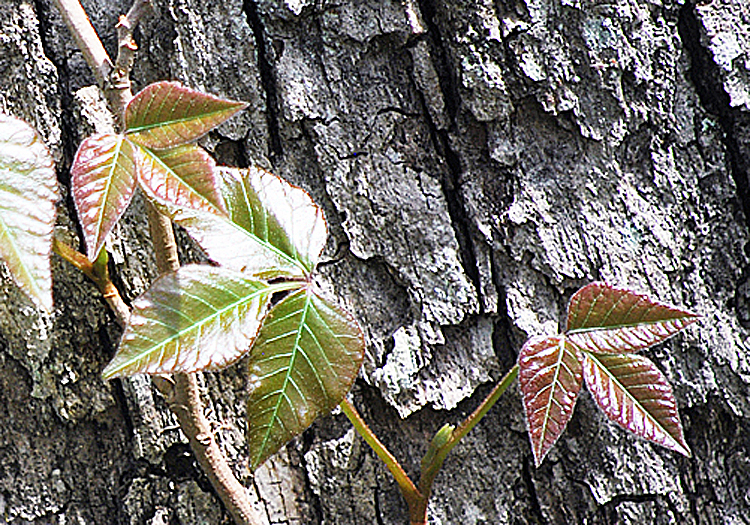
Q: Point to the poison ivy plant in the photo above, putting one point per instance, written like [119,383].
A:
[28,193]
[266,237]
[605,326]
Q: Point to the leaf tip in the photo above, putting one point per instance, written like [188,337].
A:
[111,372]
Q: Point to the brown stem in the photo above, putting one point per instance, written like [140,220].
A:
[184,397]
[120,87]
[98,273]
[86,39]
[162,238]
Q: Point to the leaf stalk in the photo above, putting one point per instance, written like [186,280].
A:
[417,496]
[408,489]
[98,273]
[431,468]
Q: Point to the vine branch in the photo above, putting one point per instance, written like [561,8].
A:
[86,39]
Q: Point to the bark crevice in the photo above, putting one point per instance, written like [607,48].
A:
[528,480]
[704,75]
[451,182]
[267,77]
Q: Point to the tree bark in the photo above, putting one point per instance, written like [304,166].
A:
[478,161]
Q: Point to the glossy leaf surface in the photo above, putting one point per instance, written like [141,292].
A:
[167,114]
[274,229]
[305,360]
[28,193]
[605,319]
[550,376]
[636,395]
[102,181]
[182,176]
[197,318]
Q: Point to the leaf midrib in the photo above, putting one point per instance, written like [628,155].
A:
[167,123]
[635,401]
[622,326]
[270,289]
[281,391]
[555,384]
[167,168]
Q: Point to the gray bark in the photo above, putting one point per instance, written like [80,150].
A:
[478,161]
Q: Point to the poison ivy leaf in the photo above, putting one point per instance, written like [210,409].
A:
[605,319]
[102,182]
[197,318]
[636,395]
[305,359]
[167,114]
[28,192]
[550,376]
[274,229]
[182,176]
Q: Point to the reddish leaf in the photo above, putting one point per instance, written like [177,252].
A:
[167,114]
[102,182]
[182,176]
[605,319]
[551,377]
[28,193]
[636,395]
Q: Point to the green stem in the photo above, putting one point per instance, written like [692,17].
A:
[430,470]
[408,490]
[417,497]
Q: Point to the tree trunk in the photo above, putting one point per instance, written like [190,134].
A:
[478,161]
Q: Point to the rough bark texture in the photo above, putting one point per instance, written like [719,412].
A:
[478,161]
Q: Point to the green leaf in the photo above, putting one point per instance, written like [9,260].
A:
[274,229]
[102,182]
[550,376]
[605,319]
[167,114]
[305,360]
[197,318]
[182,177]
[28,193]
[636,395]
